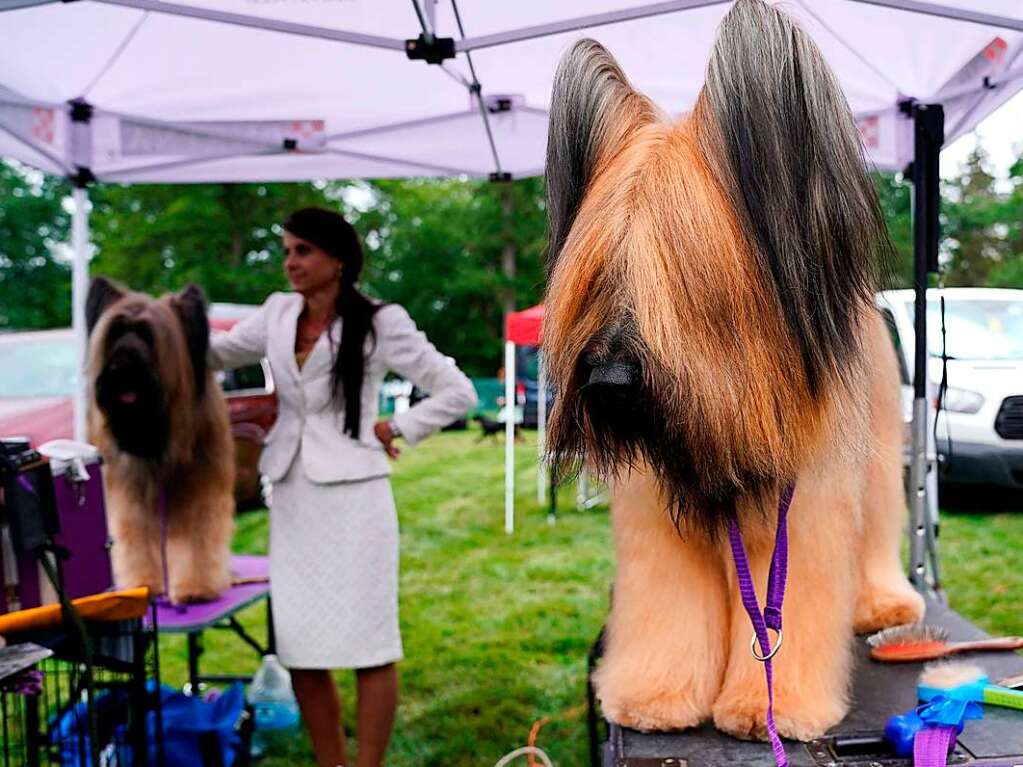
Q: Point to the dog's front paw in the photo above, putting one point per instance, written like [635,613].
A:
[187,591]
[140,579]
[744,715]
[880,607]
[656,713]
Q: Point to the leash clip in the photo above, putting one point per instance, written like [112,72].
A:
[774,650]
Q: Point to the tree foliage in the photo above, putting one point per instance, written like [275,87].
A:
[455,253]
[35,280]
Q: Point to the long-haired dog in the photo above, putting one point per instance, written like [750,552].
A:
[711,335]
[160,422]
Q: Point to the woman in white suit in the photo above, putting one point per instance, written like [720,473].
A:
[333,526]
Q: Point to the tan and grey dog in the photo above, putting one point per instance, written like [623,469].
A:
[711,334]
[160,422]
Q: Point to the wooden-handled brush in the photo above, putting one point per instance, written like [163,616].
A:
[916,642]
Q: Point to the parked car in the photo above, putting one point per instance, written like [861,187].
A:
[37,381]
[979,424]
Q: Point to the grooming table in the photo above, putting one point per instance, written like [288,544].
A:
[879,691]
[221,613]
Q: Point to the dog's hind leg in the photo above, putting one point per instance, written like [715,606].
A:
[885,597]
[666,633]
[812,668]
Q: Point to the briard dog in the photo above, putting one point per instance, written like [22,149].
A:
[712,337]
[160,422]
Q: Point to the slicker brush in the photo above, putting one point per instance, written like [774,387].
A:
[917,642]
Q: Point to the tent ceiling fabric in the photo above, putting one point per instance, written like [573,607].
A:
[236,90]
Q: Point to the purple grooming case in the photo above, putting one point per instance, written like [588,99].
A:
[83,526]
[78,491]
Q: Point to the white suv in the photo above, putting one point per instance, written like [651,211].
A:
[979,429]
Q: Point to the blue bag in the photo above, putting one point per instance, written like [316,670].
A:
[189,724]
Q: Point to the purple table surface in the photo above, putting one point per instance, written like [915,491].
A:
[188,618]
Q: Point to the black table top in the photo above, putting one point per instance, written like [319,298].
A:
[879,691]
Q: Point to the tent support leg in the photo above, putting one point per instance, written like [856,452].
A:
[79,290]
[929,134]
[509,437]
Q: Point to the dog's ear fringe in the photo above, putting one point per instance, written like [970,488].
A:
[593,109]
[190,306]
[776,126]
[103,293]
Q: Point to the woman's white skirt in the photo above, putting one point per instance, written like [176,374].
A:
[334,572]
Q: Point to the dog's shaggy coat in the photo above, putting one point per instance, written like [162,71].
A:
[160,422]
[711,336]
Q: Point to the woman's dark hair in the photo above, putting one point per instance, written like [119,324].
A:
[330,232]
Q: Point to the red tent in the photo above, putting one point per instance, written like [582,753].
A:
[523,328]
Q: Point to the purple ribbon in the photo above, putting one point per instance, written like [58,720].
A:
[26,485]
[26,683]
[770,618]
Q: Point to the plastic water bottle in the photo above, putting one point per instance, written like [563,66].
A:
[273,703]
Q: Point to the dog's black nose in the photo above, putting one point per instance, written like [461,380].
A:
[613,375]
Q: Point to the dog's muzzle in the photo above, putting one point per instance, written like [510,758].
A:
[612,382]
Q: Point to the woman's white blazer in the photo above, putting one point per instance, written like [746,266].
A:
[307,417]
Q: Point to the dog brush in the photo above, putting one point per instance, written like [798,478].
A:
[917,642]
[967,680]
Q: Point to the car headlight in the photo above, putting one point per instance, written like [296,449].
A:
[962,400]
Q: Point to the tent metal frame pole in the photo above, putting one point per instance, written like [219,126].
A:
[928,137]
[13,5]
[11,98]
[476,89]
[509,437]
[55,159]
[984,87]
[189,129]
[944,11]
[267,148]
[403,125]
[79,290]
[581,22]
[445,169]
[125,172]
[257,22]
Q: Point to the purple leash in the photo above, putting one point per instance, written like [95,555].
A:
[162,504]
[931,746]
[770,619]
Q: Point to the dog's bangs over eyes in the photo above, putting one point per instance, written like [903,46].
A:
[122,328]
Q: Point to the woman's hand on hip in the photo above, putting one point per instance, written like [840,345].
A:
[383,431]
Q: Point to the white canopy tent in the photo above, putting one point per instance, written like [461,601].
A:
[271,90]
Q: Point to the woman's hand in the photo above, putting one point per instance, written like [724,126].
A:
[383,431]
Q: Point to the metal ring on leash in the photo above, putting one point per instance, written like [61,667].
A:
[774,650]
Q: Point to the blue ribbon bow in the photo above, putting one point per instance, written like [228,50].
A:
[946,710]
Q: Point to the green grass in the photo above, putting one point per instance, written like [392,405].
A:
[982,567]
[496,628]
